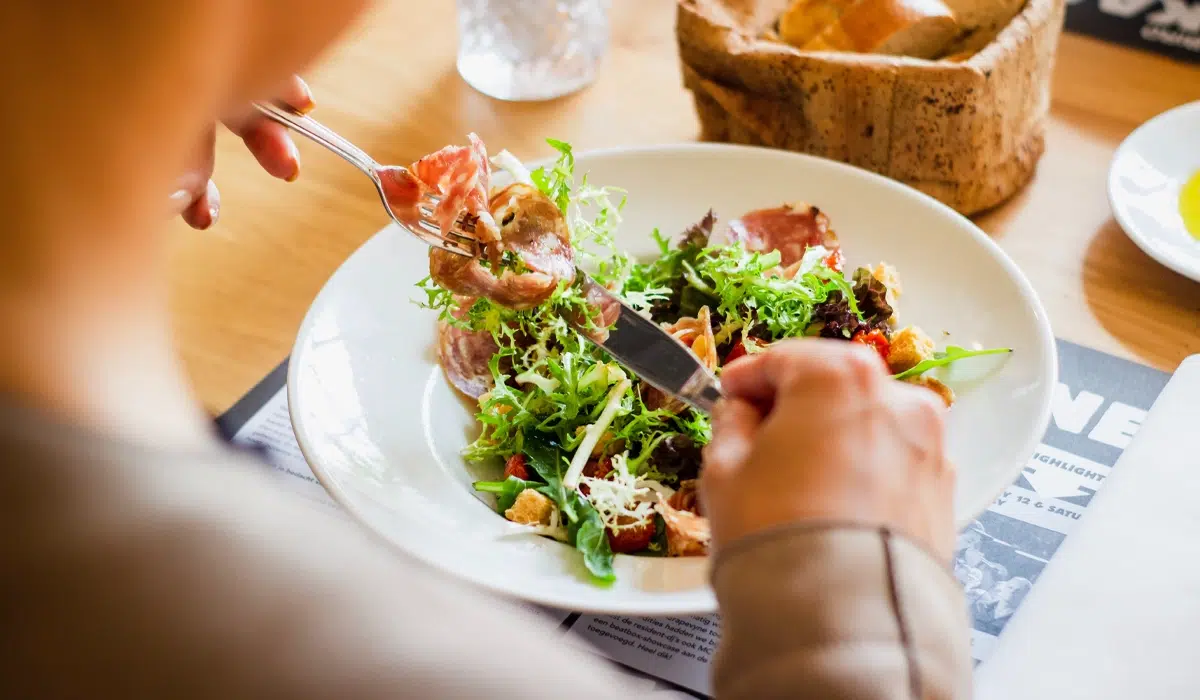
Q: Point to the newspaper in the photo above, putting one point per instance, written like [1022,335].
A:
[1099,404]
[1168,27]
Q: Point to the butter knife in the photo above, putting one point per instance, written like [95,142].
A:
[652,354]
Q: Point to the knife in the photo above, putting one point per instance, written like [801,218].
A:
[651,353]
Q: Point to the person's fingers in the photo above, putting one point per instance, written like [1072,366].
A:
[192,184]
[182,199]
[734,424]
[269,142]
[296,94]
[920,423]
[204,211]
[272,147]
[810,366]
[921,420]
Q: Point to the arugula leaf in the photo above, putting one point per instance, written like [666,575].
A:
[951,354]
[658,545]
[506,491]
[545,457]
[585,528]
[590,538]
[542,453]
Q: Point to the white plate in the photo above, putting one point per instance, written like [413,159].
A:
[1144,180]
[383,429]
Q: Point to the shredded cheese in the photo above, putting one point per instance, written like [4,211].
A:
[621,499]
[594,431]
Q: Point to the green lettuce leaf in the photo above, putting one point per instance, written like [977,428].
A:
[558,182]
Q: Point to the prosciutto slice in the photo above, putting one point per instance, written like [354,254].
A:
[519,220]
[688,534]
[464,356]
[790,229]
[458,174]
[534,231]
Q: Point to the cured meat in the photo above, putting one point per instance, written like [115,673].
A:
[458,174]
[461,175]
[790,229]
[464,356]
[686,498]
[688,534]
[697,334]
[604,307]
[528,253]
[534,231]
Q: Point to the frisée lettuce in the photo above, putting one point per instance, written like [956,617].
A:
[604,455]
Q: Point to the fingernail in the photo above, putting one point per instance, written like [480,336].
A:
[295,154]
[181,198]
[307,103]
[214,203]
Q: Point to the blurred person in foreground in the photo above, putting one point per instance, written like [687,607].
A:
[143,558]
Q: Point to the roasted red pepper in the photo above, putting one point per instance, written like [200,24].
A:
[739,349]
[876,339]
[516,466]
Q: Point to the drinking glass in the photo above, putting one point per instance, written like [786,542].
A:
[526,50]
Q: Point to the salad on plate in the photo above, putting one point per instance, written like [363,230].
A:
[593,457]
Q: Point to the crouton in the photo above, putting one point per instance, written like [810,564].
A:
[530,508]
[909,347]
[936,387]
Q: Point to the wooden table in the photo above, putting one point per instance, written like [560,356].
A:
[241,289]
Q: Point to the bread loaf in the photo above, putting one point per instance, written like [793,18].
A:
[804,19]
[988,15]
[980,22]
[918,28]
[969,134]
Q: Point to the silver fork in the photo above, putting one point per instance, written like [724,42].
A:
[460,239]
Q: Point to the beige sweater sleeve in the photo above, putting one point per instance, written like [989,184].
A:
[132,574]
[837,612]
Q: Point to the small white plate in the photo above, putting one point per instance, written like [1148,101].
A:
[1148,171]
[383,430]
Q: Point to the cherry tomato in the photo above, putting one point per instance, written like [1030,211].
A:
[631,538]
[515,466]
[598,468]
[876,339]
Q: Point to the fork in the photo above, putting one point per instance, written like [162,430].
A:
[461,237]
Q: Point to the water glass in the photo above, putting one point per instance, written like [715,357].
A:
[525,50]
